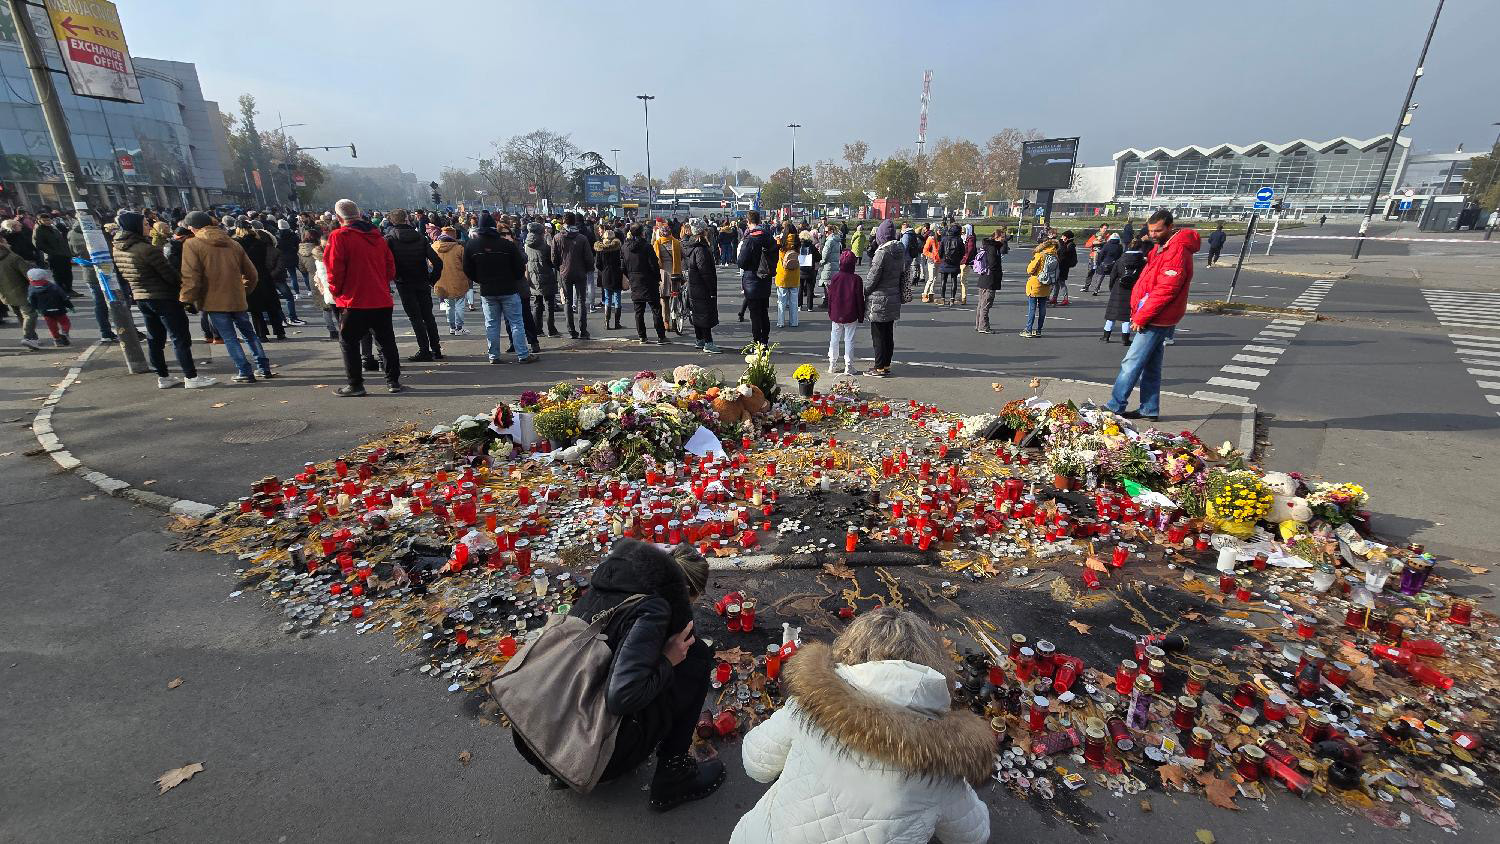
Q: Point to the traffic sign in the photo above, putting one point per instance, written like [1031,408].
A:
[1405,205]
[1264,194]
[1263,205]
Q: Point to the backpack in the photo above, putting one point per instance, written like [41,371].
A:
[980,265]
[789,260]
[952,250]
[1048,275]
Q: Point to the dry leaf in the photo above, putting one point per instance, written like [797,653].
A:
[1479,569]
[838,570]
[1219,792]
[996,386]
[1080,627]
[1192,615]
[724,551]
[1204,836]
[1036,382]
[1095,563]
[463,758]
[174,682]
[217,404]
[733,656]
[177,776]
[1173,775]
[148,482]
[1145,805]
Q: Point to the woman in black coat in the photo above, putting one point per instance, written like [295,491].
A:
[993,250]
[659,675]
[702,287]
[611,273]
[643,275]
[1122,278]
[262,298]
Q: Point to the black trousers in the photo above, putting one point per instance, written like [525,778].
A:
[808,290]
[416,300]
[575,296]
[355,324]
[640,318]
[703,333]
[166,317]
[760,320]
[665,726]
[62,272]
[546,298]
[882,335]
[274,325]
[1213,253]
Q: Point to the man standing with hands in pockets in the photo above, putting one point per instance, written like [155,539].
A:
[1157,304]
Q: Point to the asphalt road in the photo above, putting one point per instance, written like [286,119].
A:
[335,738]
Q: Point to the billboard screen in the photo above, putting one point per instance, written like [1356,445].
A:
[1047,164]
[601,190]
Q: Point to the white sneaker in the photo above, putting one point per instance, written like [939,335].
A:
[849,370]
[832,370]
[32,345]
[166,383]
[199,381]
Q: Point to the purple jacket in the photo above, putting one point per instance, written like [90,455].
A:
[846,292]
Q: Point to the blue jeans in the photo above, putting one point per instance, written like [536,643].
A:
[786,305]
[294,269]
[226,324]
[510,306]
[101,305]
[284,289]
[456,313]
[1142,364]
[611,298]
[1036,311]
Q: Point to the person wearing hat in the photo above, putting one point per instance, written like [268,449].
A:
[49,300]
[216,276]
[156,287]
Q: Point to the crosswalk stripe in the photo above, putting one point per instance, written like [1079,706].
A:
[1272,332]
[1492,338]
[1485,373]
[1253,359]
[1272,339]
[1489,353]
[1205,395]
[1492,399]
[1237,383]
[1245,370]
[1489,385]
[1269,350]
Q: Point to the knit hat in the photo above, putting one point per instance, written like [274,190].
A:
[198,220]
[283,225]
[486,221]
[39,274]
[132,222]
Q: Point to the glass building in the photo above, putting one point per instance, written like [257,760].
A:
[1309,177]
[162,152]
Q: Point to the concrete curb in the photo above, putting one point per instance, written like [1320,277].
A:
[46,437]
[1247,430]
[1337,276]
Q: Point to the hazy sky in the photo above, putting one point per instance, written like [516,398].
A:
[426,84]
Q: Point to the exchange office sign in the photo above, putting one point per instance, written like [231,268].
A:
[92,44]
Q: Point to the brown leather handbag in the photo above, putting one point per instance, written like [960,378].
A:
[552,692]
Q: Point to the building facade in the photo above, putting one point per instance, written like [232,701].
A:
[1309,177]
[161,152]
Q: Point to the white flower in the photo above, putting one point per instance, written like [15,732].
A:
[590,416]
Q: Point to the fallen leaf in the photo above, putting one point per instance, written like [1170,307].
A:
[174,682]
[217,404]
[1204,836]
[177,776]
[1173,775]
[1145,805]
[319,386]
[1435,816]
[838,569]
[1095,563]
[1219,792]
[733,656]
[996,386]
[1036,382]
[1080,627]
[463,758]
[148,482]
[1479,569]
[1192,615]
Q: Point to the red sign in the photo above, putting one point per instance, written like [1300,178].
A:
[299,180]
[531,189]
[127,164]
[98,55]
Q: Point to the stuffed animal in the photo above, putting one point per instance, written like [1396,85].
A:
[1286,505]
[1291,516]
[743,403]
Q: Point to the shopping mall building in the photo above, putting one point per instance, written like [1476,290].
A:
[162,152]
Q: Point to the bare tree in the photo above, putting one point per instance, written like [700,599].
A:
[542,158]
[1002,161]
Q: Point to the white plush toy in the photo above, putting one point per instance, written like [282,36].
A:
[1286,506]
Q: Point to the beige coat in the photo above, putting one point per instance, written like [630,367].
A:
[452,284]
[216,272]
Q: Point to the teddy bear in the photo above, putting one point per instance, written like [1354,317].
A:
[742,403]
[1289,512]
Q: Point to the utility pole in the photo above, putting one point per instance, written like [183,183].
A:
[1244,247]
[1401,120]
[736,169]
[650,188]
[100,258]
[794,127]
[616,151]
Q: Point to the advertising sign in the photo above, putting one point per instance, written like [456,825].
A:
[298,179]
[127,164]
[601,190]
[92,44]
[1047,164]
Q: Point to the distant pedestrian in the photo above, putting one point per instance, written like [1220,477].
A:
[1157,304]
[844,299]
[1122,279]
[858,240]
[951,249]
[788,276]
[360,269]
[987,267]
[758,260]
[13,289]
[494,263]
[642,268]
[931,252]
[828,263]
[217,275]
[417,268]
[886,289]
[49,300]
[1041,276]
[78,245]
[52,248]
[1323,218]
[1067,259]
[288,244]
[610,273]
[702,291]
[573,256]
[1215,244]
[541,276]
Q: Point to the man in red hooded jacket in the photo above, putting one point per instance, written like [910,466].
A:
[360,269]
[1157,303]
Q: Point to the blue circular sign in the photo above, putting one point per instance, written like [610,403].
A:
[1265,194]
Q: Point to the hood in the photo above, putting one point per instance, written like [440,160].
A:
[1187,240]
[213,236]
[360,228]
[635,567]
[1045,246]
[124,238]
[404,233]
[485,220]
[846,261]
[885,232]
[131,221]
[893,711]
[443,247]
[534,238]
[607,241]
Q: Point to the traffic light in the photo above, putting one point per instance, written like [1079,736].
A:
[437,198]
[352,152]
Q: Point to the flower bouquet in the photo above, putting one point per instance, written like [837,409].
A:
[1337,503]
[760,372]
[1236,499]
[806,377]
[1019,418]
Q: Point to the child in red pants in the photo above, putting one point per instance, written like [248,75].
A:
[49,300]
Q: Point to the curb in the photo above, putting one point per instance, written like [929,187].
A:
[1247,431]
[1336,276]
[46,437]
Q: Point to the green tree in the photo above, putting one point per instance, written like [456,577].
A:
[896,179]
[1482,183]
[957,166]
[777,191]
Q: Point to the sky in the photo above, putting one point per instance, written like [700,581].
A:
[425,85]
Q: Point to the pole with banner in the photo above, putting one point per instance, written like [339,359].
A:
[99,258]
[1244,247]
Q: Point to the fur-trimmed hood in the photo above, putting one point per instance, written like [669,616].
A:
[894,711]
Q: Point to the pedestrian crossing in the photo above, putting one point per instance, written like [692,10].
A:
[1480,354]
[1245,371]
[1465,309]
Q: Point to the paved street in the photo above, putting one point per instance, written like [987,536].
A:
[337,738]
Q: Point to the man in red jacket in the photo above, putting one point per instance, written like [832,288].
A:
[360,269]
[1157,304]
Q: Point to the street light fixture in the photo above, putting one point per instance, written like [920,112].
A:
[794,127]
[616,151]
[650,188]
[286,165]
[737,166]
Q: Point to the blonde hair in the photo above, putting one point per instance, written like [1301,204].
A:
[889,633]
[694,568]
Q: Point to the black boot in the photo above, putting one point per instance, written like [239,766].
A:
[1125,338]
[617,315]
[1104,337]
[572,326]
[680,779]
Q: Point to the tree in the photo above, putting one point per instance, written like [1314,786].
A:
[1482,184]
[589,164]
[542,158]
[460,185]
[859,174]
[896,179]
[1002,162]
[746,178]
[503,184]
[956,166]
[777,191]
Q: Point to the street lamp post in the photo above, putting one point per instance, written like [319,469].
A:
[616,151]
[737,168]
[287,163]
[794,127]
[1401,120]
[650,188]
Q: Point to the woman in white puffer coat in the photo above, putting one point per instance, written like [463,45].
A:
[867,748]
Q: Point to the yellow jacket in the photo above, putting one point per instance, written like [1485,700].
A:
[673,246]
[788,277]
[1034,285]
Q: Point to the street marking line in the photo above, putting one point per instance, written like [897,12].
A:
[1237,383]
[1495,353]
[1205,395]
[1269,350]
[1245,370]
[1489,385]
[1491,338]
[1272,340]
[1492,399]
[1485,373]
[1253,359]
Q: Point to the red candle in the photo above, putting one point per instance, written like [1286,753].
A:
[356,611]
[1037,716]
[1119,556]
[507,646]
[1226,583]
[722,672]
[1125,676]
[1460,613]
